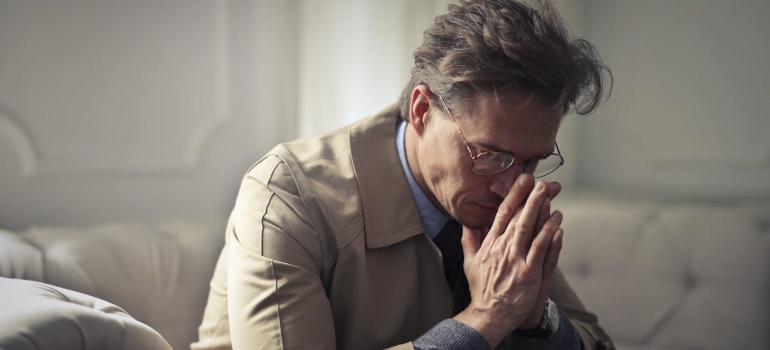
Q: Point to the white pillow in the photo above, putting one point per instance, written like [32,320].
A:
[39,316]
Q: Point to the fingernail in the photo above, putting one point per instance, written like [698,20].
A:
[523,179]
[540,186]
[556,216]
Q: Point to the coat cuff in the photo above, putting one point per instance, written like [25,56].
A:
[450,334]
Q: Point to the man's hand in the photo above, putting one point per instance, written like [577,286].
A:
[536,316]
[506,271]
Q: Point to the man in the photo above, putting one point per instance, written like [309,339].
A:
[351,239]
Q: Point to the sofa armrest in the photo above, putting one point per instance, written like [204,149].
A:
[35,315]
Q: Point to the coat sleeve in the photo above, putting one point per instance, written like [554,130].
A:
[586,323]
[275,256]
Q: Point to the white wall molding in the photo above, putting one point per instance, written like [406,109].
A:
[134,110]
[21,144]
[206,131]
[127,99]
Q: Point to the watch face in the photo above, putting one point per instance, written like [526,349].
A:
[553,315]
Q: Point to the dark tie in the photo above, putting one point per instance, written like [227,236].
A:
[448,242]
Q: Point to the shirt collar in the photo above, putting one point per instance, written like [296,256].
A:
[431,218]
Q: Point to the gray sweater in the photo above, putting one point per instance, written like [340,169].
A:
[453,335]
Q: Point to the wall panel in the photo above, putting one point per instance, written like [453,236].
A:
[138,110]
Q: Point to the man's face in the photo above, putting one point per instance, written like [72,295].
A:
[511,123]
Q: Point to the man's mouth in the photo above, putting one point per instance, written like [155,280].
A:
[492,206]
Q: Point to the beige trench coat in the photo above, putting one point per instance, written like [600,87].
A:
[325,249]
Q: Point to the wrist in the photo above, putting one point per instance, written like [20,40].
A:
[549,323]
[481,323]
[535,318]
[532,322]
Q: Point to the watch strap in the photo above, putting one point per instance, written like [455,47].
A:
[546,328]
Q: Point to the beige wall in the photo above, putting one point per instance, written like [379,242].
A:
[688,114]
[133,110]
[143,110]
[146,110]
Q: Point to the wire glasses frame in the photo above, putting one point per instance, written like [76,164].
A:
[492,162]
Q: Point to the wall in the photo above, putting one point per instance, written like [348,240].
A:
[573,14]
[145,110]
[688,114]
[140,110]
[355,56]
[153,111]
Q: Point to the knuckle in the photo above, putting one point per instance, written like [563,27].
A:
[539,245]
[497,228]
[495,250]
[505,210]
[550,226]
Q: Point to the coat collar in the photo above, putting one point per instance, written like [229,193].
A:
[389,211]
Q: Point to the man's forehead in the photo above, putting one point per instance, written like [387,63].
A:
[523,110]
[514,123]
[510,100]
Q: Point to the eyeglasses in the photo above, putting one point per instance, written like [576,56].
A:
[492,162]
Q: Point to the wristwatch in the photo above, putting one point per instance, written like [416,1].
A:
[548,326]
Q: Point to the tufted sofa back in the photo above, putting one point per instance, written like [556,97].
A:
[659,274]
[158,273]
[671,275]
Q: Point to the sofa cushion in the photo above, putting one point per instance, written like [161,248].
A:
[669,275]
[35,315]
[158,273]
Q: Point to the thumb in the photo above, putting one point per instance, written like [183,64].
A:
[471,242]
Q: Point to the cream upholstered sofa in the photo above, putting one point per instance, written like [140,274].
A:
[660,273]
[157,273]
[671,273]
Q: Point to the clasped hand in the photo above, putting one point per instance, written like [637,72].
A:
[510,265]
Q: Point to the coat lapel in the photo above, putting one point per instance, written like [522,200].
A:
[390,213]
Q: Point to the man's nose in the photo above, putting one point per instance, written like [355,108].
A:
[502,182]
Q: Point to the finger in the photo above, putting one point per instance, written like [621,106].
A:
[552,189]
[524,227]
[545,213]
[471,242]
[552,257]
[542,242]
[555,189]
[511,203]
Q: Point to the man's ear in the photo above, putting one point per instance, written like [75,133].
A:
[419,106]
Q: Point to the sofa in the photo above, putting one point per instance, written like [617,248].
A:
[660,273]
[157,273]
[671,273]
